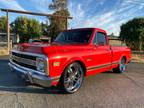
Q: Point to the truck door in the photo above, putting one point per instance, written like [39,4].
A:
[101,53]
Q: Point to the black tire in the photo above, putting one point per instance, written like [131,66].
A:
[72,78]
[121,67]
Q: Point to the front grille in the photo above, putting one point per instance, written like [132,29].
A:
[24,56]
[24,60]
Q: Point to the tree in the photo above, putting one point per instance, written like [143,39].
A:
[132,33]
[58,24]
[45,29]
[34,28]
[26,28]
[58,5]
[3,24]
[112,35]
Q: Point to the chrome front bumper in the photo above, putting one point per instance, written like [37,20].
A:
[31,76]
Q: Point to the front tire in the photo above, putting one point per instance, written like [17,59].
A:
[121,67]
[72,78]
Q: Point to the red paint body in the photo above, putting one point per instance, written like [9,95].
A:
[87,54]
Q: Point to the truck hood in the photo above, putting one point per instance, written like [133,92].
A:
[35,47]
[46,48]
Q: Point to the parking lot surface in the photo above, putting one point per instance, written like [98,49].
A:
[104,90]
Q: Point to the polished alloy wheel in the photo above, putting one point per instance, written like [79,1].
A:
[73,77]
[122,66]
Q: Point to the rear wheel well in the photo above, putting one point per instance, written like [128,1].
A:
[124,58]
[121,67]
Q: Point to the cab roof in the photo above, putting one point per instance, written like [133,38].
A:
[97,29]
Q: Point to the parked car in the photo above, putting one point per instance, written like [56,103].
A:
[74,54]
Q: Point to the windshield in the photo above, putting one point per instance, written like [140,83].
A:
[74,36]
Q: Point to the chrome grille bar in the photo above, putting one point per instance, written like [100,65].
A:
[23,60]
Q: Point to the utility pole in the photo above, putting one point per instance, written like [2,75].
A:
[66,23]
[0,26]
[8,31]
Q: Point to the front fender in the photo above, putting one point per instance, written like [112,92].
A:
[71,60]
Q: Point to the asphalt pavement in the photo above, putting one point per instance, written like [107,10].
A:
[104,90]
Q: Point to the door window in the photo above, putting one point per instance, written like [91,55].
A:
[100,39]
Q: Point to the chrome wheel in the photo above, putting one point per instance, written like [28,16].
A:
[122,66]
[73,78]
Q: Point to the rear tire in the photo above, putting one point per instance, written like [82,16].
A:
[121,67]
[72,78]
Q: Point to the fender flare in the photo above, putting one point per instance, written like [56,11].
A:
[71,60]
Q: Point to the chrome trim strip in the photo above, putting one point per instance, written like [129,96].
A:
[36,55]
[97,67]
[101,66]
[116,62]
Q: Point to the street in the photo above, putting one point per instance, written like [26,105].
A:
[104,90]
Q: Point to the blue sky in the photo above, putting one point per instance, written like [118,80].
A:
[106,14]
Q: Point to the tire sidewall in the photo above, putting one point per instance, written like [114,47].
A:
[122,64]
[62,78]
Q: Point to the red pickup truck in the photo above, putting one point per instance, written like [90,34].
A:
[74,54]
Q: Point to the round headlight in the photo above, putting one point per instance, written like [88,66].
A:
[40,63]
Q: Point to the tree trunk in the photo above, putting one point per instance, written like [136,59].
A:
[140,46]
